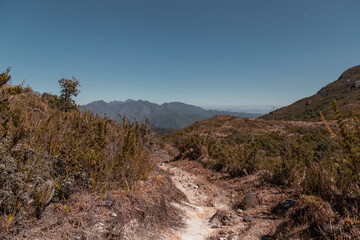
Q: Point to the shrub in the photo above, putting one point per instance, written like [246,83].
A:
[190,147]
[5,77]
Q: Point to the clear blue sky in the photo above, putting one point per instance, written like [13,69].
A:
[202,52]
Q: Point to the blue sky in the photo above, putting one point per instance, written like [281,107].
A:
[203,52]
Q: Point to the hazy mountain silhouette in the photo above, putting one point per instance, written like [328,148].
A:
[173,115]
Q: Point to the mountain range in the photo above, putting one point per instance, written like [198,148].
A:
[174,115]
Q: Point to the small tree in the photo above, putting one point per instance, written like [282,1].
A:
[69,89]
[5,77]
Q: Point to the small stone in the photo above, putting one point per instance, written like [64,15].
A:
[214,226]
[267,237]
[288,203]
[248,219]
[357,84]
[251,200]
[282,207]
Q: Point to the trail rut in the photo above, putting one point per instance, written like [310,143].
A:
[208,213]
[202,204]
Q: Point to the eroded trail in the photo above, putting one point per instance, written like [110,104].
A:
[202,206]
[199,208]
[209,213]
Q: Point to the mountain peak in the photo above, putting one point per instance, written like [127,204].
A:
[350,72]
[100,101]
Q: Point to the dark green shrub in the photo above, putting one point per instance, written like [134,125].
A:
[5,77]
[190,147]
[13,90]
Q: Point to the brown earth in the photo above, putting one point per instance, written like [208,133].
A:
[211,210]
[145,213]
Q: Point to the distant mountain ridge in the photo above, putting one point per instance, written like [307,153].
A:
[345,90]
[174,115]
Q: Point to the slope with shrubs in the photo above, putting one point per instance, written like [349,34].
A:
[318,160]
[48,155]
[345,90]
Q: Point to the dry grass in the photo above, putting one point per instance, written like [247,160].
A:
[47,154]
[316,159]
[143,213]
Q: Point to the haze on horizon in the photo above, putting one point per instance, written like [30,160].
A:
[238,54]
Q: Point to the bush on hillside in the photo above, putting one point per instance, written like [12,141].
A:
[48,154]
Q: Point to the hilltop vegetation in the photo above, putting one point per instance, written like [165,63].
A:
[242,146]
[345,90]
[51,152]
[319,160]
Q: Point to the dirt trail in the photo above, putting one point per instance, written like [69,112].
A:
[202,205]
[196,213]
[208,214]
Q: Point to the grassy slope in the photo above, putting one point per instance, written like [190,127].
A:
[224,126]
[342,90]
[300,155]
[222,141]
[55,168]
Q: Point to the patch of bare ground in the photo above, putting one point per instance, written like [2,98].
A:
[219,207]
[145,213]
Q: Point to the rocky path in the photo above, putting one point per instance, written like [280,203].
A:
[201,208]
[208,213]
[196,211]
